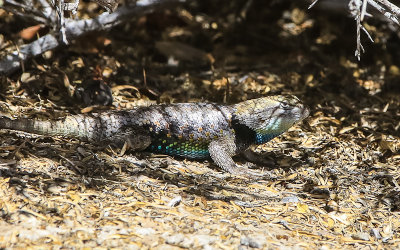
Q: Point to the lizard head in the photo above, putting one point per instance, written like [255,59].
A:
[270,116]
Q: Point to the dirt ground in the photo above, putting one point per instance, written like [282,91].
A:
[337,173]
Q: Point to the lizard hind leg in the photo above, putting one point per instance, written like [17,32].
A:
[138,142]
[221,152]
[131,138]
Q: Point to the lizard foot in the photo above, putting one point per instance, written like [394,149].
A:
[251,174]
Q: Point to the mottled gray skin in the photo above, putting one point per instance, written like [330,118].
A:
[191,130]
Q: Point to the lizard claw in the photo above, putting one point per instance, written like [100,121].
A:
[253,175]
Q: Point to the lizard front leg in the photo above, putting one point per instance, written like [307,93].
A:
[222,151]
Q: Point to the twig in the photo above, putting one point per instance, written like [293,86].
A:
[60,12]
[358,9]
[363,9]
[355,7]
[74,29]
[312,4]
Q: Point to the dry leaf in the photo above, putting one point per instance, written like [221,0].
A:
[30,32]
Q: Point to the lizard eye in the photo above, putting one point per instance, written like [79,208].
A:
[284,105]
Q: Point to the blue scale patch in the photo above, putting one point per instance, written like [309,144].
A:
[263,138]
[174,147]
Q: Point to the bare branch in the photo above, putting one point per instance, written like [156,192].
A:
[312,4]
[367,33]
[393,8]
[363,9]
[358,9]
[48,10]
[76,28]
[60,12]
[25,10]
[109,5]
[387,14]
[36,18]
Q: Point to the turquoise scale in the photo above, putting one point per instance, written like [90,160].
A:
[171,146]
[263,138]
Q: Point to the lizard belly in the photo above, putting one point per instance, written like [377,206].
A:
[192,149]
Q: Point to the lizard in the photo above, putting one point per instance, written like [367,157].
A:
[189,130]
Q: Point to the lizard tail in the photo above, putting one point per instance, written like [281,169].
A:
[77,126]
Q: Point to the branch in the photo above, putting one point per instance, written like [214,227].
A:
[393,8]
[358,9]
[381,9]
[25,10]
[76,28]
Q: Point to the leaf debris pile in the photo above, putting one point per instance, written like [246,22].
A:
[335,177]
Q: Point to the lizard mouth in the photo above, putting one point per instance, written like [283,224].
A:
[302,113]
[305,113]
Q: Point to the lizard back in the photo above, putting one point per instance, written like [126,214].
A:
[184,129]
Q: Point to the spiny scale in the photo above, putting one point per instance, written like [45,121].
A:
[193,149]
